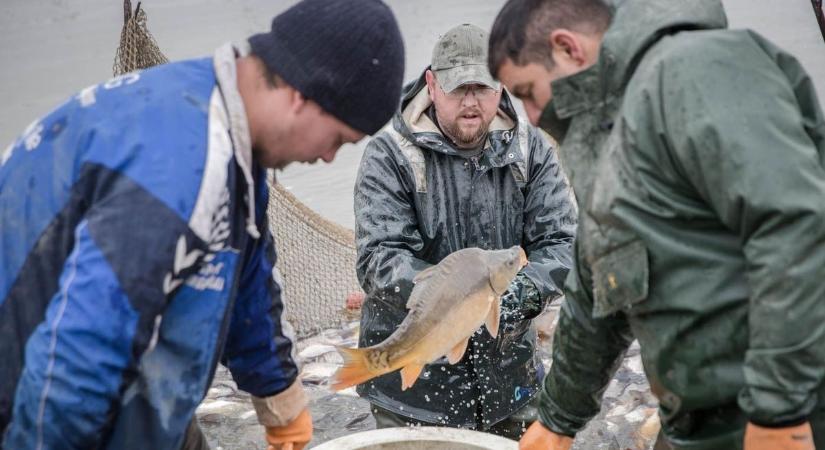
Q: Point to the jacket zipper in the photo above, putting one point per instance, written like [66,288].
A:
[476,169]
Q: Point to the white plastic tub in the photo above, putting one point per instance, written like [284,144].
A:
[419,438]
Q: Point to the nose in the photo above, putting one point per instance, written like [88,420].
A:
[329,156]
[469,99]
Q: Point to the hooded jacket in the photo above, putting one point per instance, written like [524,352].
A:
[417,199]
[697,155]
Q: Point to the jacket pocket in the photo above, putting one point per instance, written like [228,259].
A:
[620,279]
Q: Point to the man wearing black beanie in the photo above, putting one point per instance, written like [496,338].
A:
[346,56]
[134,252]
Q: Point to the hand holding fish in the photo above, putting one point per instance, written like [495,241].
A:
[449,302]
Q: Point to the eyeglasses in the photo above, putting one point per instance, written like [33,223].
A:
[480,92]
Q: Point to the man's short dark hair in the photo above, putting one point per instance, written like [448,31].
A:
[273,80]
[522,28]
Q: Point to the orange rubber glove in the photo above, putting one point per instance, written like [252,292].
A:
[799,437]
[293,436]
[538,437]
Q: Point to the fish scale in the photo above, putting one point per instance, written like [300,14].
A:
[447,305]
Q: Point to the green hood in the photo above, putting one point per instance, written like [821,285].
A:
[637,24]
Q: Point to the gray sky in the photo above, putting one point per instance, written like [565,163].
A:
[53,48]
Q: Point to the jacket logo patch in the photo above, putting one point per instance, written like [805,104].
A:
[122,80]
[210,275]
[33,136]
[31,139]
[183,260]
[87,96]
[220,229]
[520,393]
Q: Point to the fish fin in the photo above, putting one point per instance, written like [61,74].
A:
[493,317]
[458,351]
[424,274]
[354,371]
[421,283]
[447,264]
[409,374]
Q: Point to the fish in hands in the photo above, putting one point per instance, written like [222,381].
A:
[449,302]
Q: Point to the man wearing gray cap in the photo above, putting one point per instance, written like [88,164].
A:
[457,168]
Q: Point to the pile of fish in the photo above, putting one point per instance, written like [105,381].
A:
[627,420]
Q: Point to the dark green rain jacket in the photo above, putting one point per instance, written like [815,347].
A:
[413,208]
[697,156]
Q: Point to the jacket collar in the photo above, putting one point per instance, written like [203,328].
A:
[226,75]
[636,26]
[413,123]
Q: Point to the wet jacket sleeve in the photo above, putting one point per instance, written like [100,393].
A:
[259,347]
[549,228]
[75,362]
[738,137]
[105,313]
[386,225]
[586,354]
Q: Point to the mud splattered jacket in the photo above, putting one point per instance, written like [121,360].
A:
[134,255]
[697,154]
[416,201]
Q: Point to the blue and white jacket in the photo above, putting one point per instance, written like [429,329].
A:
[134,256]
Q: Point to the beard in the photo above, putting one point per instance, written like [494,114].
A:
[466,136]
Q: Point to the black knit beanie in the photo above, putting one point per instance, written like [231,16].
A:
[346,55]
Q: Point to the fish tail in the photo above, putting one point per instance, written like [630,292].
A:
[354,371]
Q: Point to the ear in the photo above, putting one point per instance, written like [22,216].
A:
[567,46]
[431,86]
[297,101]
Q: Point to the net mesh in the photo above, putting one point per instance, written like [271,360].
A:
[137,49]
[316,257]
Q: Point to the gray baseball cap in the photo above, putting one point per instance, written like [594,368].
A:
[460,57]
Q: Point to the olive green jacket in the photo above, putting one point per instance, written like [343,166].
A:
[697,154]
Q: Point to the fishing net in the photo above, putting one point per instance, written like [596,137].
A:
[137,49]
[316,257]
[819,12]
